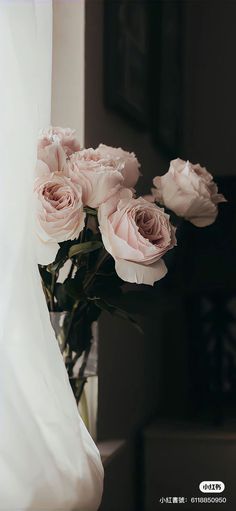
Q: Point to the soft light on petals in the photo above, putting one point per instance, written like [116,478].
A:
[137,234]
[55,145]
[188,190]
[66,137]
[45,251]
[131,165]
[149,197]
[53,155]
[98,176]
[139,273]
[206,212]
[59,212]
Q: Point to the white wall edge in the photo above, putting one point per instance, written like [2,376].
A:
[68,65]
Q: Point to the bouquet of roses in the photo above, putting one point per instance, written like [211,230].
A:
[94,234]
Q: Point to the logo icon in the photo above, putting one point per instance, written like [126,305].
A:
[211,487]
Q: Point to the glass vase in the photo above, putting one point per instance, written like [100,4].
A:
[82,370]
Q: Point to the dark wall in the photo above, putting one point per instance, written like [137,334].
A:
[208,106]
[209,47]
[106,125]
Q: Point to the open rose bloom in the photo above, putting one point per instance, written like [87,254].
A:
[130,166]
[189,191]
[55,145]
[60,214]
[137,234]
[99,176]
[75,185]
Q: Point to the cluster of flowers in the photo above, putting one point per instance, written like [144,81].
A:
[135,230]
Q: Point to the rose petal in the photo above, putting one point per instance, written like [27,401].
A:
[99,177]
[130,169]
[206,212]
[140,274]
[46,251]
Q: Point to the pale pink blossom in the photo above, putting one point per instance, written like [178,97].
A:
[59,213]
[189,191]
[99,176]
[130,169]
[137,234]
[55,145]
[149,197]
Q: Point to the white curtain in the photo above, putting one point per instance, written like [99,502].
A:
[47,459]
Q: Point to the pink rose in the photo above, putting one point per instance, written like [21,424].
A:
[137,234]
[98,176]
[149,197]
[55,146]
[59,213]
[130,170]
[189,191]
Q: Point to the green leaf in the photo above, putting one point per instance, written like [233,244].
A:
[93,236]
[55,267]
[107,287]
[64,300]
[46,276]
[74,288]
[80,272]
[61,257]
[90,211]
[85,248]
